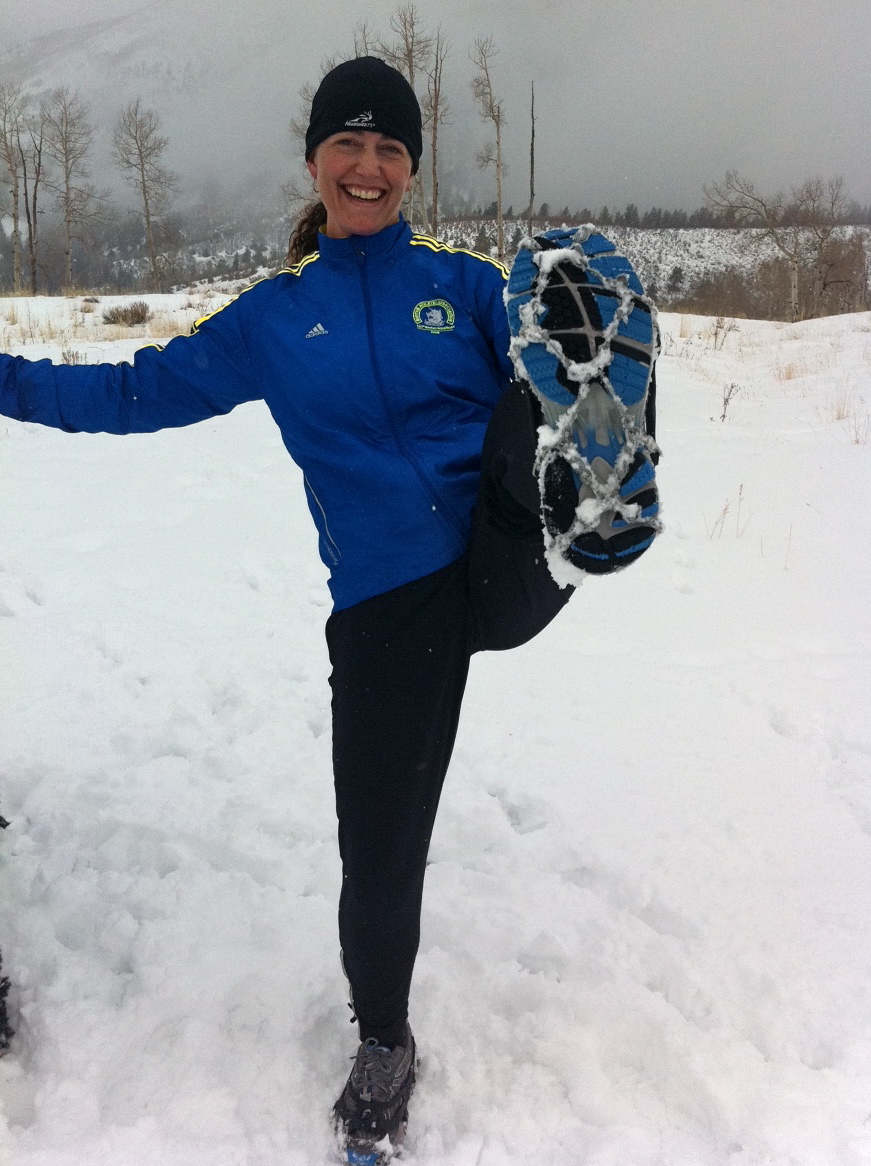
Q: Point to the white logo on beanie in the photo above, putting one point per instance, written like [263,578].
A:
[362,119]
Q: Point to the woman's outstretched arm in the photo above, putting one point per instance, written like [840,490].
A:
[190,379]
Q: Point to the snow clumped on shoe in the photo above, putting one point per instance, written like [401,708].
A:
[584,337]
[371,1115]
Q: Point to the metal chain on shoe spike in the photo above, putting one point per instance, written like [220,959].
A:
[556,442]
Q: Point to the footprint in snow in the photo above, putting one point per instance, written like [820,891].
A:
[525,817]
[622,895]
[15,595]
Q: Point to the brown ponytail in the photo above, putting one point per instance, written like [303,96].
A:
[304,237]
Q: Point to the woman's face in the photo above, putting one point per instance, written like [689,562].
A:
[362,178]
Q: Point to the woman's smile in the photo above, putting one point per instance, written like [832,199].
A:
[362,178]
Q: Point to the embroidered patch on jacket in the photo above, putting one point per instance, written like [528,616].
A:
[434,316]
[318,330]
[362,119]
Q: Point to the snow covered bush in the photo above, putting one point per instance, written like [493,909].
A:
[127,314]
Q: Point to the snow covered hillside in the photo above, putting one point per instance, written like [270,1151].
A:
[645,934]
[697,252]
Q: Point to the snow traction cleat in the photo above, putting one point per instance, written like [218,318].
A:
[371,1115]
[584,338]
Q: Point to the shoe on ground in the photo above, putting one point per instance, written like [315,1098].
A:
[371,1115]
[585,340]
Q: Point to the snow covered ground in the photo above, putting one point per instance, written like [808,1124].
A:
[645,938]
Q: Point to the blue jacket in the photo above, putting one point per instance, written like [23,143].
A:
[381,359]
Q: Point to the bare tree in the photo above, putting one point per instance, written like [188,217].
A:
[820,207]
[802,227]
[490,109]
[31,152]
[68,141]
[410,54]
[12,109]
[436,112]
[138,147]
[531,211]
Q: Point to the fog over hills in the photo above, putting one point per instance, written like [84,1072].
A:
[634,103]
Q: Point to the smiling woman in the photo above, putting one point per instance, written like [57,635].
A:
[362,178]
[410,341]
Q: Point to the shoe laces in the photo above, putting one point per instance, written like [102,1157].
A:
[374,1076]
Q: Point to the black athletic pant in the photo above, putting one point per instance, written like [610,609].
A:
[400,662]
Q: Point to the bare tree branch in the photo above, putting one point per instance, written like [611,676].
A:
[411,51]
[490,110]
[436,112]
[12,109]
[138,147]
[31,151]
[802,227]
[366,40]
[69,136]
[411,55]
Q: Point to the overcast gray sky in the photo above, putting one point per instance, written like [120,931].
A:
[641,100]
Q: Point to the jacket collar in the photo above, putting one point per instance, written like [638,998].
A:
[377,246]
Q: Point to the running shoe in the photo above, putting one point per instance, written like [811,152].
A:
[372,1113]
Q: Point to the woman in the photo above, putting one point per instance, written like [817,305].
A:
[383,357]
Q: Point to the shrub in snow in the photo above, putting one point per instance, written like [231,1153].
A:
[127,314]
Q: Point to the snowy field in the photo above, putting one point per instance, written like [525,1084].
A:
[645,937]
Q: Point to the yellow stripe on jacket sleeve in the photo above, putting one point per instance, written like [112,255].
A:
[295,269]
[418,240]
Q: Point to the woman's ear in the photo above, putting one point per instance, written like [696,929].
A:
[312,169]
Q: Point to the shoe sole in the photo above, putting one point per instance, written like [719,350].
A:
[585,340]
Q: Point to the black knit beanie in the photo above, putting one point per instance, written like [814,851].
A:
[366,94]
